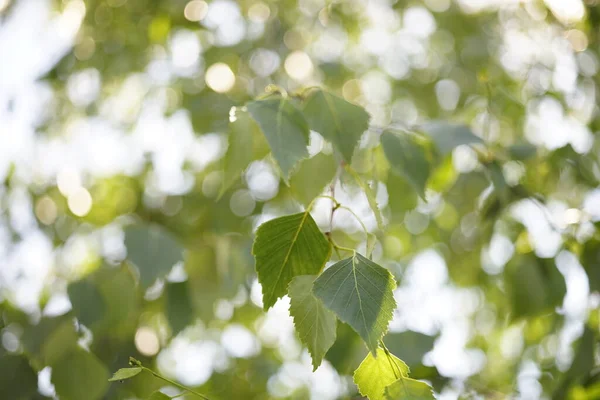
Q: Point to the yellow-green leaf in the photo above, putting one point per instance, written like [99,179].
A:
[408,389]
[374,374]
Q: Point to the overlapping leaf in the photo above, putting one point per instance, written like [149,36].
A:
[375,373]
[315,324]
[340,122]
[360,293]
[312,176]
[286,247]
[286,131]
[448,136]
[408,389]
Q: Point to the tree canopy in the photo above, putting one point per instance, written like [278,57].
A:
[299,199]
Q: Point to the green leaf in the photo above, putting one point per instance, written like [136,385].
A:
[153,250]
[447,136]
[370,193]
[179,308]
[17,379]
[534,286]
[286,131]
[375,373]
[340,122]
[360,292]
[286,247]
[88,303]
[246,143]
[79,375]
[312,176]
[158,395]
[408,389]
[125,373]
[412,346]
[316,325]
[408,157]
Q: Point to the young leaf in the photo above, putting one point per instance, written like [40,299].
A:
[375,373]
[125,373]
[340,122]
[408,389]
[286,131]
[158,395]
[315,324]
[359,292]
[312,176]
[408,157]
[153,250]
[245,144]
[448,136]
[286,247]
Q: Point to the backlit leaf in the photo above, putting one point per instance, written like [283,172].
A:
[153,250]
[158,395]
[407,154]
[340,122]
[316,325]
[359,292]
[286,247]
[375,373]
[408,389]
[286,131]
[125,373]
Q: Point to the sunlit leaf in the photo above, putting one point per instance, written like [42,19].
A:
[315,324]
[79,375]
[312,176]
[408,157]
[125,373]
[286,131]
[377,372]
[340,122]
[359,292]
[408,389]
[448,136]
[153,250]
[286,247]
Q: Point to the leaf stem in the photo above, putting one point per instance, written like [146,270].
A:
[133,361]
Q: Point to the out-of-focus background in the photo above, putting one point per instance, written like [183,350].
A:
[117,111]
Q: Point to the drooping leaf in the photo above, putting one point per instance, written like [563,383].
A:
[79,375]
[408,389]
[88,303]
[315,324]
[411,345]
[158,395]
[286,131]
[374,374]
[246,143]
[17,379]
[286,247]
[448,136]
[359,292]
[340,122]
[408,156]
[312,176]
[179,307]
[121,296]
[153,250]
[371,194]
[125,373]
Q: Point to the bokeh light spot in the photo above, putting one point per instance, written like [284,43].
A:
[80,202]
[220,78]
[195,10]
[298,66]
[146,341]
